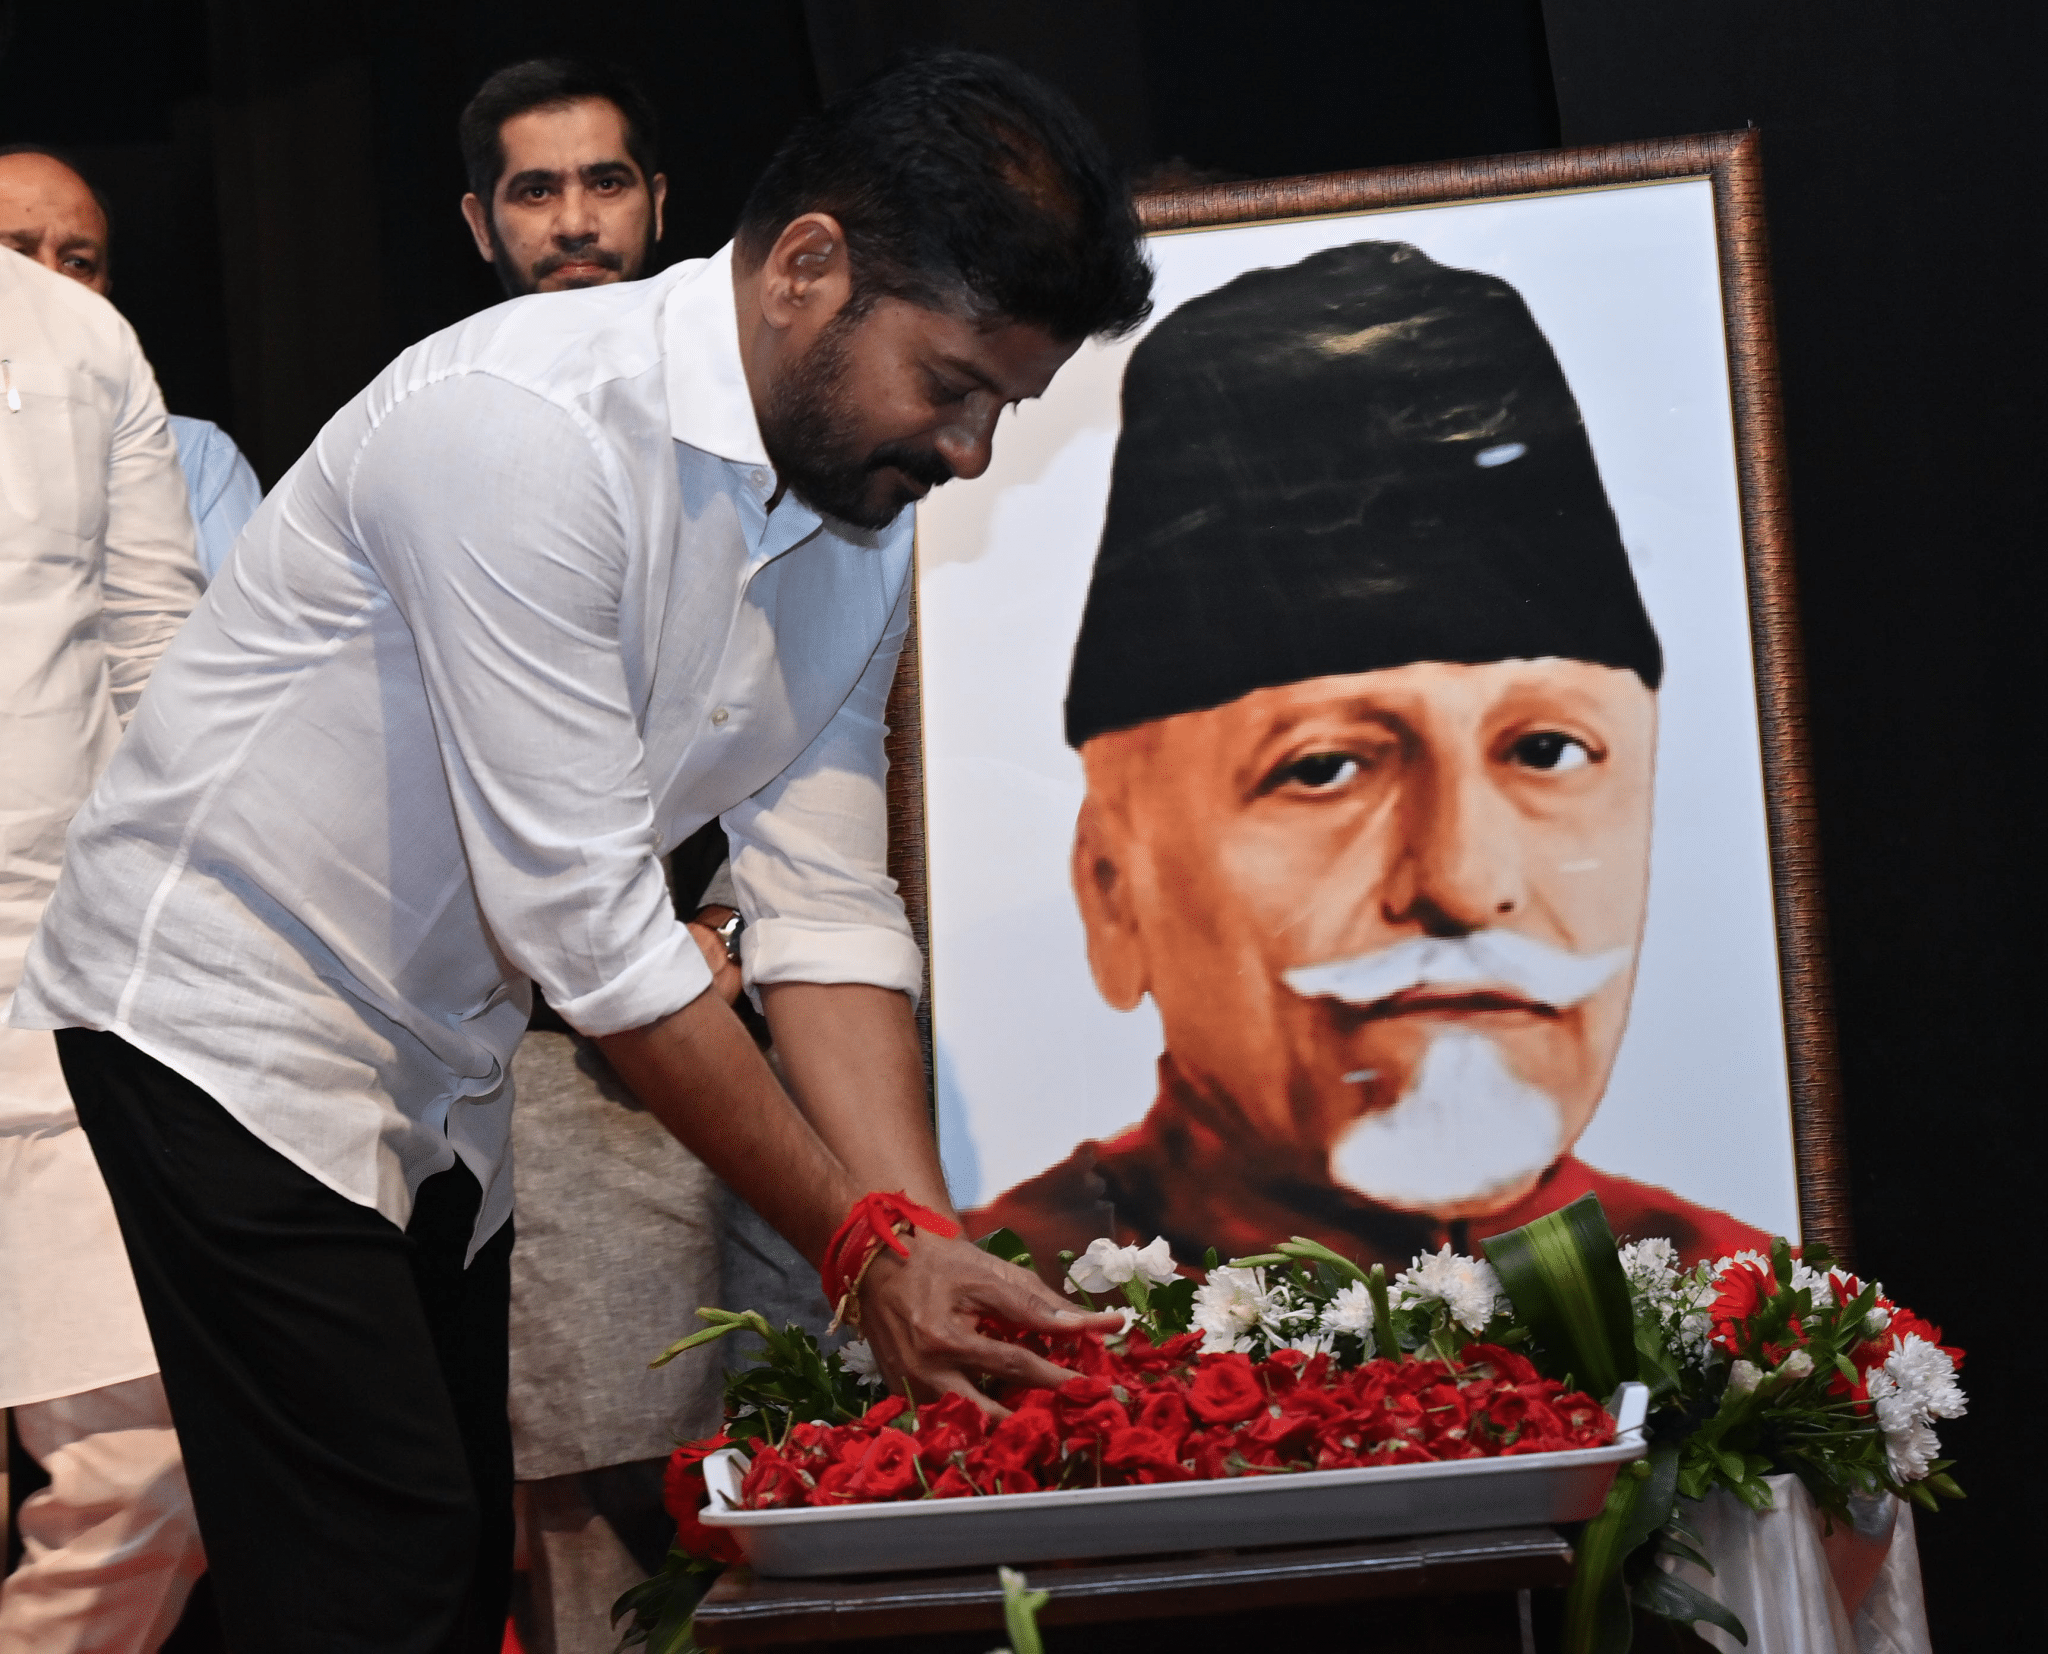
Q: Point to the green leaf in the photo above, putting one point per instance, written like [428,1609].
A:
[1008,1245]
[1173,1305]
[1671,1598]
[1386,1337]
[1300,1246]
[1020,1612]
[1945,1485]
[1596,1619]
[1563,1273]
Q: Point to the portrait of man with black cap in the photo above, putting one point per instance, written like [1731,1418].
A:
[1367,701]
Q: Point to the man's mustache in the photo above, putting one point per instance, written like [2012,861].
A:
[918,464]
[1497,959]
[603,257]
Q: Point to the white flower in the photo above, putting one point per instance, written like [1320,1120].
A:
[1350,1312]
[1926,1377]
[1652,1270]
[1916,1385]
[1106,1265]
[1796,1365]
[1876,1321]
[1809,1279]
[1309,1343]
[1230,1306]
[1154,1264]
[1744,1377]
[1468,1287]
[857,1356]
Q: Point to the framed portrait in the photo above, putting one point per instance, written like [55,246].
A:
[1350,773]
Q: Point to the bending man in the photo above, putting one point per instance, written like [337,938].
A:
[566,581]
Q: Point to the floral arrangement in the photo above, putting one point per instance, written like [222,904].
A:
[1297,1359]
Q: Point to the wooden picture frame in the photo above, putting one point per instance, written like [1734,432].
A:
[1731,161]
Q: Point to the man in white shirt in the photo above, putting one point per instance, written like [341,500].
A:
[50,212]
[566,581]
[96,573]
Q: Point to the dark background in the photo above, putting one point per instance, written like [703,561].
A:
[284,181]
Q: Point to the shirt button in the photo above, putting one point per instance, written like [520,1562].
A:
[760,478]
[719,715]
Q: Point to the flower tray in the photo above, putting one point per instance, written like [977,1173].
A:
[1383,1501]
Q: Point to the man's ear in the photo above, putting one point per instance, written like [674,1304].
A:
[806,278]
[657,186]
[478,217]
[1102,887]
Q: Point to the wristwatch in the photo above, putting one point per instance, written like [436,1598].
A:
[729,934]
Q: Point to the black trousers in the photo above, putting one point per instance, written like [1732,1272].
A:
[338,1385]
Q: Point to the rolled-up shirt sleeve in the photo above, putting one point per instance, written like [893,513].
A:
[499,521]
[810,851]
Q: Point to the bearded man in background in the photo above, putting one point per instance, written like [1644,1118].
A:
[1367,701]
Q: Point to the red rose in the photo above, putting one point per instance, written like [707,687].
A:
[1206,1453]
[772,1482]
[1164,1413]
[953,1484]
[835,1486]
[1509,1366]
[953,1413]
[1223,1390]
[813,1446]
[1142,1456]
[682,1484]
[684,1495]
[1094,1426]
[1027,1440]
[888,1470]
[883,1412]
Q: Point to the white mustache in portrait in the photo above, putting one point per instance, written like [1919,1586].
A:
[1505,960]
[1467,1126]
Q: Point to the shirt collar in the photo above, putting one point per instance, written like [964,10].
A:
[709,405]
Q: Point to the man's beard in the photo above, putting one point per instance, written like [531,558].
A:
[811,433]
[518,282]
[1465,1128]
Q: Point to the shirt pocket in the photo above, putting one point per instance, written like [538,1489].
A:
[53,450]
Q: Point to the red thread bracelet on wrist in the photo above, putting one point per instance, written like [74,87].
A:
[877,1220]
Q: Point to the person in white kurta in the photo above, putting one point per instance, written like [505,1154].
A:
[97,571]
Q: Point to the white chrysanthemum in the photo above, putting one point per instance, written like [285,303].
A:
[1916,1385]
[1926,1376]
[857,1356]
[1230,1306]
[1876,1321]
[1349,1312]
[1652,1270]
[1468,1287]
[1309,1343]
[1808,1279]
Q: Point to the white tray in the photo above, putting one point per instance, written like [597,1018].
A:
[1315,1505]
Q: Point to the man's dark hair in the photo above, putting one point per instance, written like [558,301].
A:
[963,182]
[63,160]
[549,83]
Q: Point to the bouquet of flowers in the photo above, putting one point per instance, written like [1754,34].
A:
[1297,1359]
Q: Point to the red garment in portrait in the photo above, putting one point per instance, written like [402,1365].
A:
[1177,1174]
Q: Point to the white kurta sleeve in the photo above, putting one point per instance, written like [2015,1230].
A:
[499,523]
[810,851]
[150,575]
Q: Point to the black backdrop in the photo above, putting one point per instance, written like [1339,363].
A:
[284,180]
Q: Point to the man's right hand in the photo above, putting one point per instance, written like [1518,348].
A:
[703,929]
[920,1316]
